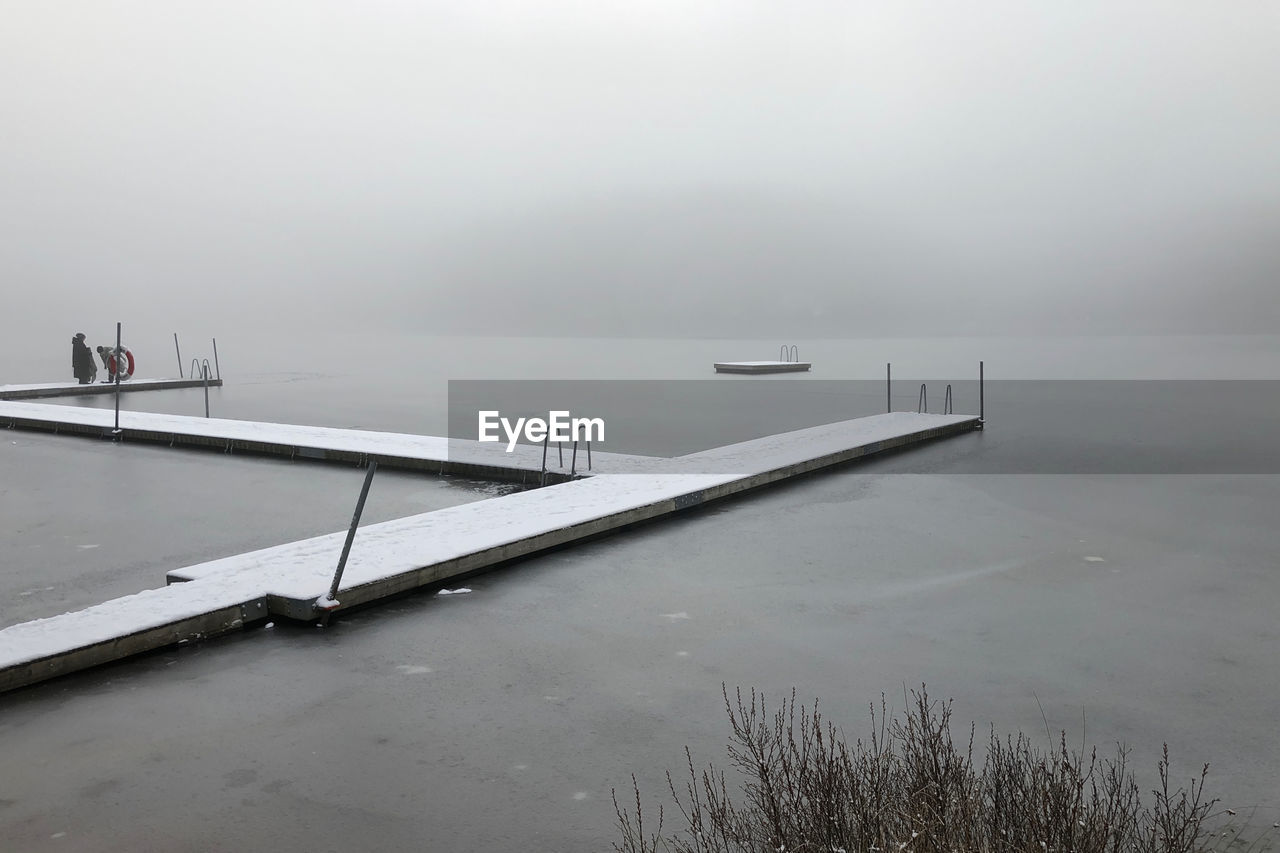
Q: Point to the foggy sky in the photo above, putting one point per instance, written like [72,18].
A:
[691,168]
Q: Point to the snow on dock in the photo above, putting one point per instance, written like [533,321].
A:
[762,366]
[421,550]
[34,651]
[402,450]
[75,389]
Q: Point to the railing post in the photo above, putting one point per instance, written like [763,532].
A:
[543,480]
[116,431]
[982,410]
[588,454]
[888,386]
[351,535]
[204,371]
[215,359]
[573,465]
[178,350]
[923,405]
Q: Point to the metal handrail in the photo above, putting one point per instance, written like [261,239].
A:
[573,458]
[923,405]
[202,368]
[789,353]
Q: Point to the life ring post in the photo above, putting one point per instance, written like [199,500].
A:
[116,369]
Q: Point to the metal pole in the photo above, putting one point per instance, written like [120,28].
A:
[545,439]
[116,431]
[573,465]
[588,454]
[351,534]
[982,416]
[888,387]
[178,350]
[560,450]
[204,371]
[215,359]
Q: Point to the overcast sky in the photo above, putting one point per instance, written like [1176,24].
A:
[661,167]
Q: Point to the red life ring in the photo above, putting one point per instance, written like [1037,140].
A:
[128,363]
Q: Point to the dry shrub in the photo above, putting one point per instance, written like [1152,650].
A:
[910,788]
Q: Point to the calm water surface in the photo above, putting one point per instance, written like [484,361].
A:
[1103,550]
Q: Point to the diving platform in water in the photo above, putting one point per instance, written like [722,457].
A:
[762,366]
[74,389]
[394,557]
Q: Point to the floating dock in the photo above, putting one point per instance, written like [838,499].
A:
[762,366]
[434,454]
[74,389]
[397,556]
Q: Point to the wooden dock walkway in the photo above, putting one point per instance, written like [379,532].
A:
[74,389]
[397,556]
[436,454]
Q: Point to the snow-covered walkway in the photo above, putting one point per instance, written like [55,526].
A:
[315,442]
[75,389]
[396,556]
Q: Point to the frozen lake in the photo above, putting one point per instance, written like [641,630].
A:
[1048,558]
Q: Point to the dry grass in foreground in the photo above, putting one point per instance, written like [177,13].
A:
[911,789]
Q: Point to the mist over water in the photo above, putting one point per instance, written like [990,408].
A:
[369,206]
[742,170]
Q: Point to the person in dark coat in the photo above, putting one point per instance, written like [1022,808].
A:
[82,366]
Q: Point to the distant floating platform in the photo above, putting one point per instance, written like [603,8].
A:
[74,389]
[762,366]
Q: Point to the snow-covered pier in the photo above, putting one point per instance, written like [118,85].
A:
[435,454]
[74,389]
[394,557]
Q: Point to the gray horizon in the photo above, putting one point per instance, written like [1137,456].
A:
[693,170]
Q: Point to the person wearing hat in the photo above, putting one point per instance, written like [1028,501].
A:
[82,366]
[106,353]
